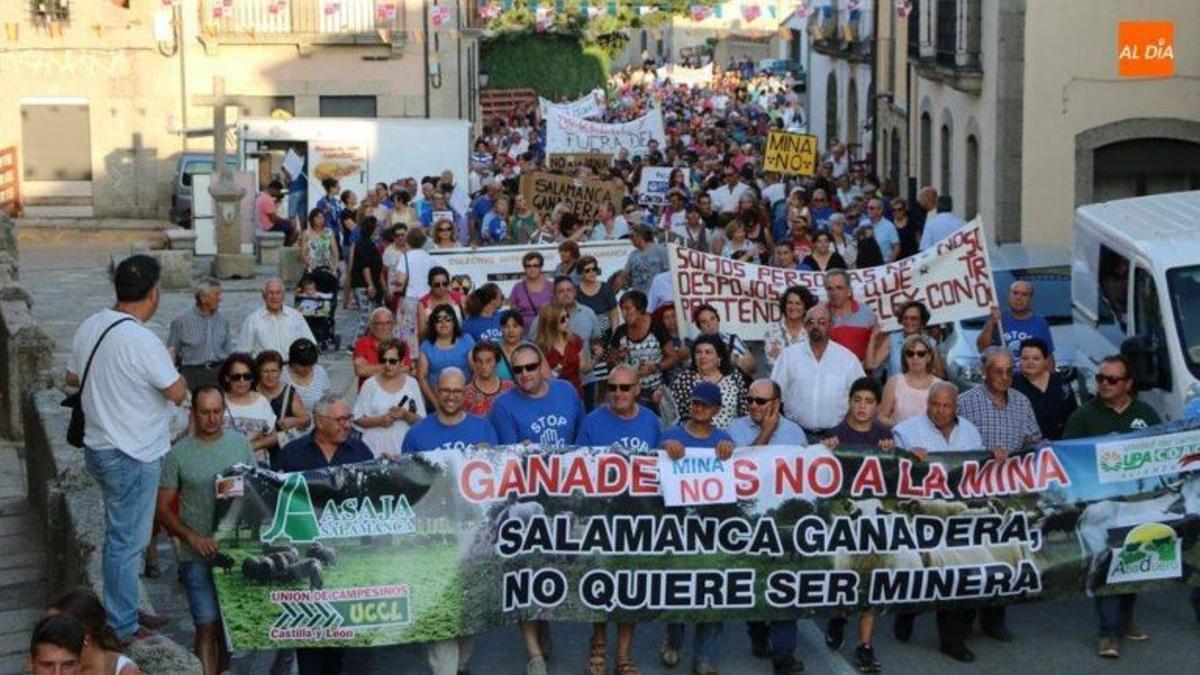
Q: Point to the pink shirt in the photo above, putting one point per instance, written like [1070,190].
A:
[264,210]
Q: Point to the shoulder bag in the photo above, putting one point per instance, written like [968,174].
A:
[75,401]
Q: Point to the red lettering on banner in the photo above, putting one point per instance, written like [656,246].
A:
[475,480]
[512,480]
[745,477]
[869,479]
[643,478]
[612,474]
[1049,469]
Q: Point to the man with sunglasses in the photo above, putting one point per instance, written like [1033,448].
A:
[539,409]
[766,425]
[815,376]
[1115,410]
[726,197]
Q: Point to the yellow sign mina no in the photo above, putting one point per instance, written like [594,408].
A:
[791,153]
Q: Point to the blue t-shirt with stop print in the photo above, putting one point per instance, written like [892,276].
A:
[551,420]
[602,428]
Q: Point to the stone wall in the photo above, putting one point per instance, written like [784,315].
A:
[25,351]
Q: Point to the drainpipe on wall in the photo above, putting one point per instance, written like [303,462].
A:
[425,44]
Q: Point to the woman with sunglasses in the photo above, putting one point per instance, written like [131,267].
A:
[486,385]
[907,392]
[247,411]
[304,373]
[888,347]
[533,291]
[388,403]
[290,416]
[444,346]
[443,235]
[564,350]
[711,363]
[441,294]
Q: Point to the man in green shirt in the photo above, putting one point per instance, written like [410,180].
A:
[1113,411]
[189,472]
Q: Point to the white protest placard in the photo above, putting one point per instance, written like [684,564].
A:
[566,134]
[293,164]
[652,190]
[953,279]
[501,265]
[590,105]
[697,478]
[687,76]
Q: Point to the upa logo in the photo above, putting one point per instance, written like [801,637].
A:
[1150,551]
[298,522]
[1145,48]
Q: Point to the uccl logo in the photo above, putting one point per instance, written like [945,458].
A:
[1145,48]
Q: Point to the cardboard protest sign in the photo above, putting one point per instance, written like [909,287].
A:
[573,134]
[462,539]
[590,104]
[790,153]
[698,478]
[652,190]
[568,162]
[953,279]
[544,191]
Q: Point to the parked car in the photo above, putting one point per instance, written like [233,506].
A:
[782,67]
[191,164]
[1048,269]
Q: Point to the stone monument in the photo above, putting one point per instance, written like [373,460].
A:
[230,262]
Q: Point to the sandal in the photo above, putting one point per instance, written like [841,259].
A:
[626,667]
[596,659]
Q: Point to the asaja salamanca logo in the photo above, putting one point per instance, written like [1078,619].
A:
[298,522]
[1151,551]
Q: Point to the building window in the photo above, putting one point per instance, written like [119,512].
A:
[56,142]
[895,166]
[52,10]
[852,120]
[831,110]
[926,150]
[914,29]
[945,156]
[946,37]
[972,203]
[347,106]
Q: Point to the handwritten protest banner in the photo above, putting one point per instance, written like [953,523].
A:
[652,190]
[460,540]
[953,279]
[684,75]
[790,153]
[501,265]
[697,478]
[598,162]
[544,191]
[590,105]
[573,134]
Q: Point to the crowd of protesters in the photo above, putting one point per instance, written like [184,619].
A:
[599,354]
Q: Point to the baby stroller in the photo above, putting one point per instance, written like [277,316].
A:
[317,302]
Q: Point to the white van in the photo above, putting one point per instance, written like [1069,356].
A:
[1135,288]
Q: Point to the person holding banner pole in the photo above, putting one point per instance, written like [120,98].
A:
[697,432]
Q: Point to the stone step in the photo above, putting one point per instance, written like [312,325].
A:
[14,643]
[14,663]
[17,620]
[29,557]
[15,580]
[17,524]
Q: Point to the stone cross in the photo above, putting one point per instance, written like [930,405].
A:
[226,194]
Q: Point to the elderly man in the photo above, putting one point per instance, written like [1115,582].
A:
[274,326]
[450,427]
[940,429]
[1115,410]
[200,338]
[1019,323]
[815,376]
[942,225]
[854,325]
[329,444]
[127,386]
[380,326]
[886,234]
[624,424]
[188,474]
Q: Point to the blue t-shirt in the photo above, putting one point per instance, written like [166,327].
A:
[430,434]
[886,236]
[552,420]
[820,217]
[480,208]
[458,356]
[483,328]
[1016,330]
[678,433]
[602,428]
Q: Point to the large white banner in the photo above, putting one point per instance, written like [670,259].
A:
[682,75]
[591,105]
[953,279]
[572,134]
[501,265]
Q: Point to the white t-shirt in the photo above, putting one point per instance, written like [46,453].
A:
[122,399]
[250,420]
[416,264]
[373,400]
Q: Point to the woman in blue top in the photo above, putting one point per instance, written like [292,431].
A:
[697,432]
[483,318]
[444,345]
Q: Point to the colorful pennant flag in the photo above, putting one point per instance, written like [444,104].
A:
[439,15]
[544,16]
[646,10]
[489,11]
[751,12]
[700,12]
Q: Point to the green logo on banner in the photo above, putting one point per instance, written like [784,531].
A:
[296,520]
[338,614]
[1151,551]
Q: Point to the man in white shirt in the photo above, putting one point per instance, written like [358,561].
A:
[775,190]
[129,385]
[725,198]
[942,225]
[815,377]
[840,158]
[274,326]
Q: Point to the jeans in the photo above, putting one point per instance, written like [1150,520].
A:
[130,488]
[196,577]
[704,640]
[1115,614]
[781,634]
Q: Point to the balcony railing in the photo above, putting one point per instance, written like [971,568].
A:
[300,17]
[946,36]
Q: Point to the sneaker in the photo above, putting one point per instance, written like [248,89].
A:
[1109,648]
[536,666]
[1136,634]
[668,655]
[864,660]
[835,633]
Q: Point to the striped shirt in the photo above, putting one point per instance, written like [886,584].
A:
[1012,426]
[853,330]
[198,339]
